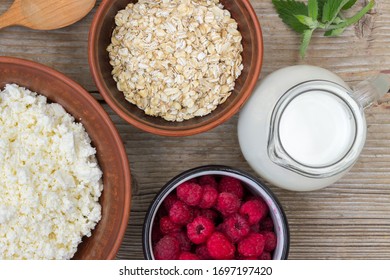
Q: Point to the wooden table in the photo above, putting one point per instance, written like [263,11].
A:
[348,220]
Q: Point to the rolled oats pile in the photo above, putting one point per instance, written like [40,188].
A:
[176,59]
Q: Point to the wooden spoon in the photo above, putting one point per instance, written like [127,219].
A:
[45,14]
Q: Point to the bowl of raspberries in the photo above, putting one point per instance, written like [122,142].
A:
[215,212]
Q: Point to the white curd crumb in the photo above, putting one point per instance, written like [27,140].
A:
[50,181]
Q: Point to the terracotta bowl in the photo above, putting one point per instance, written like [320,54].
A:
[100,37]
[115,200]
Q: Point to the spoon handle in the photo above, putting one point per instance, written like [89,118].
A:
[11,16]
[5,20]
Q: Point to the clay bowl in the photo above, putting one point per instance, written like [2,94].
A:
[100,37]
[115,200]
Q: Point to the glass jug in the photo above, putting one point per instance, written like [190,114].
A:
[303,128]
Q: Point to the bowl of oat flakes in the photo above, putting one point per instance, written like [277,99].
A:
[65,185]
[175,68]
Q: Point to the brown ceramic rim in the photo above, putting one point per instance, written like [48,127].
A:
[57,75]
[184,132]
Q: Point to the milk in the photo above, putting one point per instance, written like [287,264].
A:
[317,128]
[301,129]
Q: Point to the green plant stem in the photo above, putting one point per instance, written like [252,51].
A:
[353,19]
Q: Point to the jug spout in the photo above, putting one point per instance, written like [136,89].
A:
[371,90]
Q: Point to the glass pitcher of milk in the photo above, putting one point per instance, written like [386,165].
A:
[303,128]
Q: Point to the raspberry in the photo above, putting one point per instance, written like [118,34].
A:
[236,227]
[218,224]
[209,197]
[202,252]
[161,213]
[208,180]
[209,213]
[167,248]
[265,256]
[156,233]
[196,212]
[252,245]
[227,203]
[168,226]
[169,201]
[200,229]
[255,228]
[219,247]
[246,258]
[254,210]
[231,185]
[180,213]
[267,224]
[189,193]
[185,243]
[270,240]
[193,180]
[220,228]
[188,256]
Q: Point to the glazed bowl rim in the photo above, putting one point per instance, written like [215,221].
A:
[97,22]
[109,124]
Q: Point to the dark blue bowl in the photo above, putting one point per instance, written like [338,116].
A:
[254,186]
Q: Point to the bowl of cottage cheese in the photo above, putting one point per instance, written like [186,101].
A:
[64,176]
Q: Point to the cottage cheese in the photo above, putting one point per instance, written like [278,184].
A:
[50,181]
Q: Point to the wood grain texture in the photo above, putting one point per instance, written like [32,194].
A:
[45,14]
[348,220]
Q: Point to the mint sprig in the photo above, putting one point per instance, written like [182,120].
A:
[313,9]
[326,15]
[288,9]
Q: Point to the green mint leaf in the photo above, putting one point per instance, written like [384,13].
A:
[352,20]
[313,9]
[349,4]
[338,20]
[308,21]
[331,9]
[287,9]
[306,37]
[321,4]
[335,32]
[317,14]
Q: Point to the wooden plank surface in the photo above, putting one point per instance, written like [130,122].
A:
[348,220]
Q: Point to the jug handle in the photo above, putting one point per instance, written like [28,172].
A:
[371,90]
